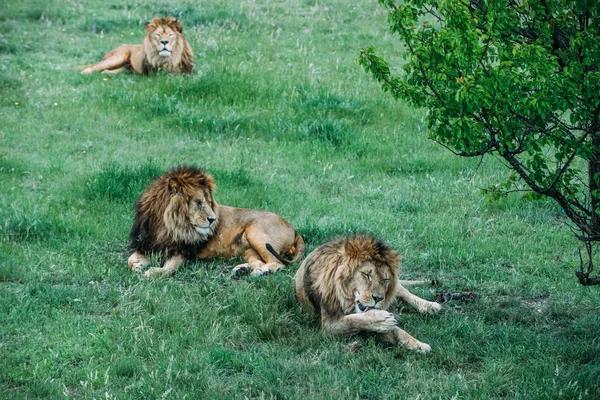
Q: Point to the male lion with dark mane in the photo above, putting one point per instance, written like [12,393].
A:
[164,48]
[352,282]
[178,217]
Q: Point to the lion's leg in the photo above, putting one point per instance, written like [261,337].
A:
[402,338]
[168,269]
[113,60]
[421,305]
[254,264]
[113,71]
[258,240]
[378,321]
[137,261]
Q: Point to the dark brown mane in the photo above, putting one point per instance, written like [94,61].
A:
[153,227]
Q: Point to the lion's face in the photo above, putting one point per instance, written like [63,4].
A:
[190,211]
[200,214]
[163,39]
[371,286]
[163,36]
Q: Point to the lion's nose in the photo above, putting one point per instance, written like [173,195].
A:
[164,42]
[377,299]
[211,220]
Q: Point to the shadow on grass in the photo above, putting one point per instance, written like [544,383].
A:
[21,228]
[121,183]
[333,105]
[197,16]
[314,235]
[101,25]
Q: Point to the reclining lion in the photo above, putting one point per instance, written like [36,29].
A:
[178,217]
[164,48]
[351,282]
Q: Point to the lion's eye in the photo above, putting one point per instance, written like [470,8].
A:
[171,35]
[156,35]
[367,276]
[199,203]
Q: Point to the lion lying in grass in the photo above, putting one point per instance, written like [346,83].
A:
[178,217]
[352,282]
[164,48]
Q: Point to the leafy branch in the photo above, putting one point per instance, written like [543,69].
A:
[518,80]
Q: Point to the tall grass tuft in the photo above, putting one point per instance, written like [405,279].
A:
[123,184]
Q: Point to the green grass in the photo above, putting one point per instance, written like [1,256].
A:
[281,114]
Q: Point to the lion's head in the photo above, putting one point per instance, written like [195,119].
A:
[165,47]
[352,275]
[177,209]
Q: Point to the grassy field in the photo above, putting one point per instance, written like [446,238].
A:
[280,113]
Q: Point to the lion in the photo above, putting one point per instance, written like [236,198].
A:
[164,48]
[178,217]
[351,282]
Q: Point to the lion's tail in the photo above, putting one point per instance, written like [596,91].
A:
[80,67]
[433,282]
[298,254]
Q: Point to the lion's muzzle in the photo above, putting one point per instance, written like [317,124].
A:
[364,306]
[164,51]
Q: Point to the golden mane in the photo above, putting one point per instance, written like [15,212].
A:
[351,282]
[182,56]
[165,47]
[330,278]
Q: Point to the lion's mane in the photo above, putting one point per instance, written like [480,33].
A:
[182,56]
[329,271]
[161,223]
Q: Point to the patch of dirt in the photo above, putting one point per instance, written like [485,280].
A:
[462,296]
[352,348]
[538,303]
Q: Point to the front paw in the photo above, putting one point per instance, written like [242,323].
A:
[419,347]
[434,308]
[381,321]
[154,272]
[423,348]
[261,271]
[429,307]
[137,262]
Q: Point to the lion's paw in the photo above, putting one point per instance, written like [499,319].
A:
[240,270]
[381,321]
[422,348]
[154,272]
[414,345]
[261,271]
[434,308]
[429,307]
[87,71]
[137,262]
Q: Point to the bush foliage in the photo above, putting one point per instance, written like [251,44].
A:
[517,79]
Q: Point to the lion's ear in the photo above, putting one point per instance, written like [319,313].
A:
[174,24]
[351,251]
[208,181]
[178,26]
[150,26]
[174,185]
